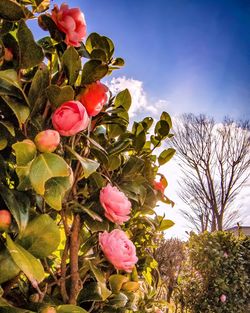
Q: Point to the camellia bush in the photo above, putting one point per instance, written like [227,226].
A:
[78,188]
[215,275]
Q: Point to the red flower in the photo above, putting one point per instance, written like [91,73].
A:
[94,97]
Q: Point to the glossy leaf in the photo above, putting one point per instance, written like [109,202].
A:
[55,190]
[123,99]
[166,155]
[9,127]
[25,151]
[41,236]
[93,70]
[116,281]
[21,111]
[18,203]
[130,286]
[166,117]
[72,64]
[162,128]
[11,10]
[37,95]
[58,95]
[31,267]
[89,166]
[165,224]
[69,308]
[11,270]
[34,54]
[105,292]
[45,167]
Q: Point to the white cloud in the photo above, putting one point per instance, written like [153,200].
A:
[135,87]
[141,104]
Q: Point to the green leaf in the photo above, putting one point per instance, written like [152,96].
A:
[42,5]
[118,301]
[123,99]
[69,308]
[90,292]
[25,151]
[102,44]
[89,166]
[11,270]
[3,142]
[41,236]
[162,128]
[46,23]
[119,146]
[31,54]
[105,292]
[118,62]
[21,111]
[166,117]
[72,64]
[37,95]
[166,155]
[9,126]
[31,267]
[114,162]
[147,123]
[58,95]
[55,190]
[116,281]
[93,70]
[115,130]
[18,203]
[130,286]
[165,224]
[11,10]
[45,167]
[95,225]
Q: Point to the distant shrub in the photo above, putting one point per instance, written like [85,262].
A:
[215,275]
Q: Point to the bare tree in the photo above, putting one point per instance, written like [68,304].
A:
[169,256]
[215,160]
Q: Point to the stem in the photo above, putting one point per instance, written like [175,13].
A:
[76,283]
[64,260]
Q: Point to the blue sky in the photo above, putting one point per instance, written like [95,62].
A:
[195,54]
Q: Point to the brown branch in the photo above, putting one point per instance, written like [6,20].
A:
[76,283]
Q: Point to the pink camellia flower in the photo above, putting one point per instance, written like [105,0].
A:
[223,298]
[47,140]
[94,97]
[118,249]
[158,310]
[70,118]
[225,255]
[71,22]
[116,205]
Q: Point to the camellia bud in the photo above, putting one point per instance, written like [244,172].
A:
[8,55]
[223,298]
[5,220]
[47,140]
